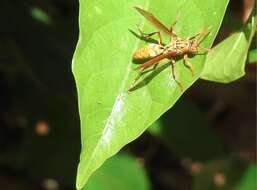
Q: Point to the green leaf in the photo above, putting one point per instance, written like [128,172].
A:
[226,61]
[40,15]
[102,65]
[248,179]
[120,172]
[156,128]
[252,56]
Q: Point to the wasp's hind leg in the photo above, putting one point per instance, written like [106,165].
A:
[147,36]
[134,82]
[174,74]
[155,66]
[188,64]
[141,72]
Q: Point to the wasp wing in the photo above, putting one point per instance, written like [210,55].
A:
[154,61]
[154,21]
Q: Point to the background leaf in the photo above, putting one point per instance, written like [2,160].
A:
[120,172]
[252,56]
[226,61]
[225,175]
[185,129]
[110,116]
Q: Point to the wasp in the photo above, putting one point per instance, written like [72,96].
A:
[177,47]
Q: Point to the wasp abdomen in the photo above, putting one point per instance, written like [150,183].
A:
[147,52]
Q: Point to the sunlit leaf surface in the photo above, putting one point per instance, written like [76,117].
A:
[110,116]
[226,61]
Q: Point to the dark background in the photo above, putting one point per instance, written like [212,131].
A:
[39,121]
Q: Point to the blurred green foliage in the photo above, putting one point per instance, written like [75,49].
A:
[226,174]
[252,56]
[185,129]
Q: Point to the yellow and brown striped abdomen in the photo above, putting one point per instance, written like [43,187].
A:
[147,52]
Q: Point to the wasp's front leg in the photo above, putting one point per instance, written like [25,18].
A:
[205,50]
[188,64]
[135,80]
[174,74]
[147,36]
[172,27]
[201,35]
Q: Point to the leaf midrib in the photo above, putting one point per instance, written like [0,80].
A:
[121,89]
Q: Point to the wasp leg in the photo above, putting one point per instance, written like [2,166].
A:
[141,72]
[205,50]
[188,64]
[172,27]
[147,36]
[174,74]
[154,67]
[175,22]
[135,80]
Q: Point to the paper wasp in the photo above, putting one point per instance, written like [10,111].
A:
[155,52]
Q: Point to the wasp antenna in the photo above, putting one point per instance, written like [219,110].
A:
[204,33]
[209,27]
[178,14]
[207,30]
[139,9]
